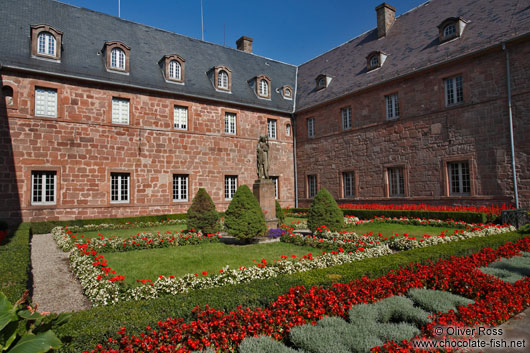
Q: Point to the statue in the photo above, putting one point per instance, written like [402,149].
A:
[263,158]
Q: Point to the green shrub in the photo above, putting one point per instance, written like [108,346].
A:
[263,344]
[436,301]
[15,262]
[202,213]
[90,327]
[244,218]
[46,227]
[279,213]
[325,211]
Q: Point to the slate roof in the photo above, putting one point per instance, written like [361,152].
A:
[85,32]
[411,44]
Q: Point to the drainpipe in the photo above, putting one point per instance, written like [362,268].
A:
[511,123]
[293,124]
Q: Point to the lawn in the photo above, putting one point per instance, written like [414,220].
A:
[125,233]
[209,257]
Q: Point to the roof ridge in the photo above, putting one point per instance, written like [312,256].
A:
[362,34]
[170,32]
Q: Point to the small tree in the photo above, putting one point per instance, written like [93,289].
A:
[279,213]
[202,214]
[325,211]
[244,218]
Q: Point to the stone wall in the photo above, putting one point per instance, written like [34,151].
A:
[84,147]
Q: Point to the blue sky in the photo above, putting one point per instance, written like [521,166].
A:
[286,30]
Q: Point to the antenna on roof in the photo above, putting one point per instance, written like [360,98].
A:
[119,9]
[202,24]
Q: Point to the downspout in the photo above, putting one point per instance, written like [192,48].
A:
[293,124]
[508,82]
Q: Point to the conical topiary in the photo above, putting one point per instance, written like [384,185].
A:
[244,218]
[279,213]
[325,211]
[202,214]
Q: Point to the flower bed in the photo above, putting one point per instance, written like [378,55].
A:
[104,287]
[67,241]
[491,210]
[126,225]
[495,302]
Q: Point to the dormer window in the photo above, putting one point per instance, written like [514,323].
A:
[287,92]
[173,68]
[223,78]
[451,28]
[322,81]
[117,56]
[263,86]
[46,42]
[375,60]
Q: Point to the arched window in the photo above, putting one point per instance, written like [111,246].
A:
[449,30]
[263,88]
[46,44]
[117,59]
[222,79]
[288,130]
[175,70]
[288,93]
[7,93]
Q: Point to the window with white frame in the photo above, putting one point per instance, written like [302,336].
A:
[348,184]
[311,127]
[43,187]
[374,61]
[288,130]
[46,44]
[454,92]
[263,88]
[311,186]
[120,111]
[275,180]
[180,118]
[180,187]
[459,178]
[271,128]
[230,186]
[46,102]
[117,59]
[346,118]
[230,123]
[222,79]
[396,182]
[175,70]
[119,187]
[392,106]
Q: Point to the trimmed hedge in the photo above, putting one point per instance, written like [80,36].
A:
[324,211]
[88,328]
[202,214]
[46,227]
[15,262]
[468,217]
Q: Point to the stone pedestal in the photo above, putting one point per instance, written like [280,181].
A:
[264,191]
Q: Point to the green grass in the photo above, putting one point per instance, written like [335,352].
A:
[125,233]
[209,257]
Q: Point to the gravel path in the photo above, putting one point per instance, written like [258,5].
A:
[55,288]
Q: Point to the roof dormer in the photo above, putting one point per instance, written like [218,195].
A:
[451,28]
[322,81]
[117,56]
[375,60]
[46,42]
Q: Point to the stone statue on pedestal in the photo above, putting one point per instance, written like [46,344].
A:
[263,157]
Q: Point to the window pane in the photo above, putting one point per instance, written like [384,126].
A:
[348,182]
[43,186]
[230,123]
[459,178]
[396,182]
[120,111]
[312,185]
[271,128]
[180,118]
[45,102]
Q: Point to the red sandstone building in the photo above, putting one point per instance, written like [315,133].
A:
[103,117]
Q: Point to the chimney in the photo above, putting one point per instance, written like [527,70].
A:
[385,18]
[244,44]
